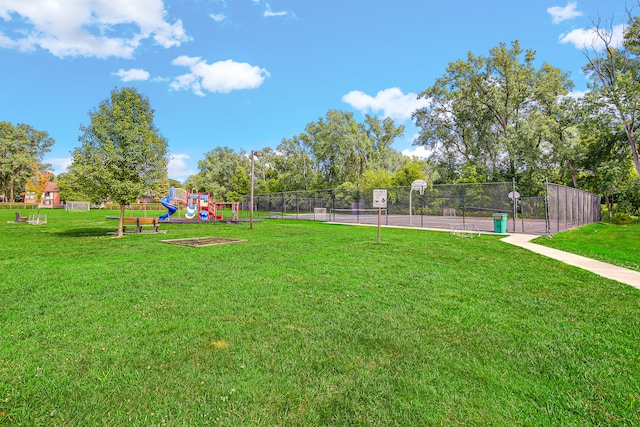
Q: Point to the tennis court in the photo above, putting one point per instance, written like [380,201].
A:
[370,216]
[441,206]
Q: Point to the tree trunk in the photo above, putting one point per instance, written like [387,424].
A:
[574,175]
[634,150]
[121,221]
[609,202]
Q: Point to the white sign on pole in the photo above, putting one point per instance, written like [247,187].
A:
[380,199]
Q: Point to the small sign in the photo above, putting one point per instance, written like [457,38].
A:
[380,199]
[514,195]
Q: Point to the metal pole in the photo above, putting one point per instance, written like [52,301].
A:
[410,193]
[515,203]
[253,153]
[463,209]
[422,210]
[546,207]
[251,195]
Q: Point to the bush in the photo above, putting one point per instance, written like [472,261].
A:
[629,198]
[621,218]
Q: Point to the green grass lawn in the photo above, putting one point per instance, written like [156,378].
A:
[305,324]
[615,244]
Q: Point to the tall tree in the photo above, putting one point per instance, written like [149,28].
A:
[342,149]
[614,72]
[491,112]
[37,183]
[21,146]
[218,173]
[292,166]
[123,154]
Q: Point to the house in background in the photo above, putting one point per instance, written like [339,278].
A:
[50,196]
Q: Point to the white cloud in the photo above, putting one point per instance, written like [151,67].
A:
[560,14]
[218,18]
[87,28]
[577,94]
[419,151]
[588,38]
[391,102]
[268,13]
[178,168]
[59,165]
[134,74]
[219,77]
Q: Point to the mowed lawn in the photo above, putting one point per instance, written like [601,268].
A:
[305,324]
[615,244]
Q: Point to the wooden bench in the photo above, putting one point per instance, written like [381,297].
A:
[20,218]
[141,222]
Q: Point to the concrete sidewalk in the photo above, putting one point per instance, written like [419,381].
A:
[613,272]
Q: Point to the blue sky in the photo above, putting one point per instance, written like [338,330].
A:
[248,73]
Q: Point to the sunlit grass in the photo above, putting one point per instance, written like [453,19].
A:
[615,244]
[305,324]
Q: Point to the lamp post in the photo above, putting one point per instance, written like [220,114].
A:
[253,154]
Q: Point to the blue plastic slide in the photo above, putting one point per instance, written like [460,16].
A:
[166,203]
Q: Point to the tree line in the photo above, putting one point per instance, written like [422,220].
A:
[488,118]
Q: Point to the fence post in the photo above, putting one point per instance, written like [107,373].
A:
[386,211]
[546,206]
[515,202]
[464,208]
[333,204]
[357,204]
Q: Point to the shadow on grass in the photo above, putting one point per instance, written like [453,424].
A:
[85,232]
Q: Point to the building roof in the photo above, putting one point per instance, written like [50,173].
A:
[51,186]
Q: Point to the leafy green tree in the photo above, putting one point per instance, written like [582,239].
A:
[338,147]
[376,179]
[342,149]
[221,171]
[72,189]
[613,177]
[383,134]
[21,146]
[174,183]
[411,171]
[614,74]
[292,166]
[123,156]
[493,112]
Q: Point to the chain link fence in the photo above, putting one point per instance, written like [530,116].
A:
[570,208]
[444,206]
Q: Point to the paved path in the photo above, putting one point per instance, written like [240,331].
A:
[613,272]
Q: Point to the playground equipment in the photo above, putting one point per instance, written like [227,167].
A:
[192,206]
[176,195]
[204,206]
[216,210]
[198,205]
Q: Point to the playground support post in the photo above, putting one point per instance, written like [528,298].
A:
[253,154]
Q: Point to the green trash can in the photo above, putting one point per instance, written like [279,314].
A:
[499,222]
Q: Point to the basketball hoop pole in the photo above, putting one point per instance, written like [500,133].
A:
[420,185]
[410,206]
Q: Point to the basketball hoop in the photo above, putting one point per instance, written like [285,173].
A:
[419,185]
